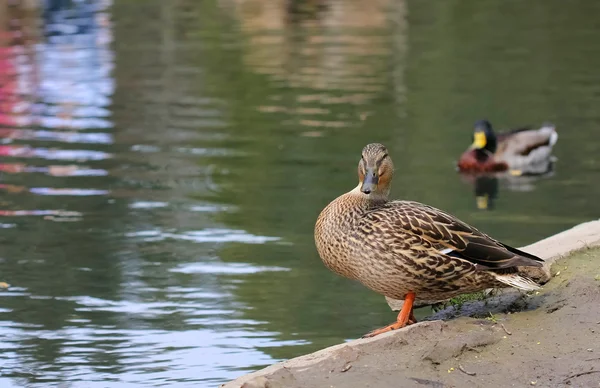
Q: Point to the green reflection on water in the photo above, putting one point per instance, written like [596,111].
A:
[431,71]
[266,115]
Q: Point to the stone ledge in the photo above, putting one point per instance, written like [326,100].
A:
[417,350]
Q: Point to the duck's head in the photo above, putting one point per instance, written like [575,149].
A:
[375,171]
[484,138]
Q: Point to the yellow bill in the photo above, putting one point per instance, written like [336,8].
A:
[479,140]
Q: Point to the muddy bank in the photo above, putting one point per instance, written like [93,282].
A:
[550,338]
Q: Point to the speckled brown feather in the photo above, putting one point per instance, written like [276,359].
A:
[396,247]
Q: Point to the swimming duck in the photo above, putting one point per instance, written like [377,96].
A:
[521,151]
[407,250]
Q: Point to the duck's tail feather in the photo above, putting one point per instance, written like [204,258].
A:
[517,281]
[553,138]
[550,130]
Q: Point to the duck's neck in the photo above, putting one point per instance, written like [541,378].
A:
[367,202]
[482,155]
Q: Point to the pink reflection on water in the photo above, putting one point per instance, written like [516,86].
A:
[53,170]
[25,151]
[14,189]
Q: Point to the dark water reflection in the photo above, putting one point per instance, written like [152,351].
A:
[163,164]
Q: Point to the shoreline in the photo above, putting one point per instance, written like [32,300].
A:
[360,362]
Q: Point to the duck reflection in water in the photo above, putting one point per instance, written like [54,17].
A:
[486,187]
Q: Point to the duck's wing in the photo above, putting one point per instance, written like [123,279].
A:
[523,142]
[457,238]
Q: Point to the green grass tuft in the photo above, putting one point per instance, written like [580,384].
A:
[462,299]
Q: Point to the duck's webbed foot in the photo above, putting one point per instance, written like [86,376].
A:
[405,318]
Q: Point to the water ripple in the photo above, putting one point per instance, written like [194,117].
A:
[21,213]
[52,170]
[46,135]
[225,268]
[23,151]
[202,236]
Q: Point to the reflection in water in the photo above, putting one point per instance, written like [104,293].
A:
[486,191]
[66,137]
[487,186]
[50,191]
[330,54]
[200,236]
[56,79]
[163,163]
[54,170]
[135,308]
[18,213]
[25,151]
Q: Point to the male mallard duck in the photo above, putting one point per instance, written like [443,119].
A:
[405,249]
[520,151]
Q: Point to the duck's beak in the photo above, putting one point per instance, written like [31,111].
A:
[370,182]
[479,141]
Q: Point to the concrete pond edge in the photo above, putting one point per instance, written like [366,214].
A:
[550,249]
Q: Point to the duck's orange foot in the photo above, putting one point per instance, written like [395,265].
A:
[405,318]
[394,326]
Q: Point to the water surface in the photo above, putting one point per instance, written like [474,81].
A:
[163,164]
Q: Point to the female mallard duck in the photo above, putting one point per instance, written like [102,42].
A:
[521,151]
[405,249]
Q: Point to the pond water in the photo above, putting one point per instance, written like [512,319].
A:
[163,163]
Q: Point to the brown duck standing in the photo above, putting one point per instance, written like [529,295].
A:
[405,249]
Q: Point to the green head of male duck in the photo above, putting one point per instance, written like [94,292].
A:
[375,171]
[484,138]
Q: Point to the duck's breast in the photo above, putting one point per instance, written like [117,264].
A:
[333,237]
[469,162]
